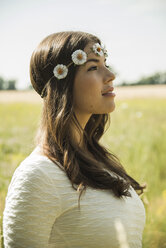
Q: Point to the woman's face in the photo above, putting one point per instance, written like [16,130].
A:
[92,80]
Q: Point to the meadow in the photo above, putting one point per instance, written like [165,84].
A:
[137,135]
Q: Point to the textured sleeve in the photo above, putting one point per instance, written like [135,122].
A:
[32,206]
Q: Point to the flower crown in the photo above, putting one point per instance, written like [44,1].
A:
[79,57]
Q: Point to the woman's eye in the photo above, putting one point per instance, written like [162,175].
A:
[92,68]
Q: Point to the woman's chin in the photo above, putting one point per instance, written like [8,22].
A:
[111,108]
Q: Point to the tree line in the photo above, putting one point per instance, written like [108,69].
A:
[7,84]
[157,78]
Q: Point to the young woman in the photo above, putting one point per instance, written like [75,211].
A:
[71,192]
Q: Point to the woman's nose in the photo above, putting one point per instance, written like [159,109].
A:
[109,76]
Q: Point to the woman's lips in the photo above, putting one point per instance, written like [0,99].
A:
[109,89]
[110,93]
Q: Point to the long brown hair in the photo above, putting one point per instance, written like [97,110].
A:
[99,168]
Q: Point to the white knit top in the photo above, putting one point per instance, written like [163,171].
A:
[41,210]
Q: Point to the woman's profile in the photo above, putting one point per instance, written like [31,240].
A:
[71,192]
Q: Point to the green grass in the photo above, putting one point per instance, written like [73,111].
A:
[137,135]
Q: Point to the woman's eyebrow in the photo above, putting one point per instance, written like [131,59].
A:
[94,60]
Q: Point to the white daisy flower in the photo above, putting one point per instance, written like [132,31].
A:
[60,71]
[79,57]
[97,49]
[104,50]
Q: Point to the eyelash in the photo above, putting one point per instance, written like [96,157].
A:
[95,67]
[90,69]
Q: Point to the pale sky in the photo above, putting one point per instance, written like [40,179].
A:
[134,32]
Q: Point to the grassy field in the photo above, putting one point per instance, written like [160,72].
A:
[137,134]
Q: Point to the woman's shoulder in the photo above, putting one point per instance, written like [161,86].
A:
[36,161]
[36,168]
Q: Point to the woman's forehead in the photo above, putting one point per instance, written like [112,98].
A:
[88,47]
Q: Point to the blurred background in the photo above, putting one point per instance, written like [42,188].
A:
[135,36]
